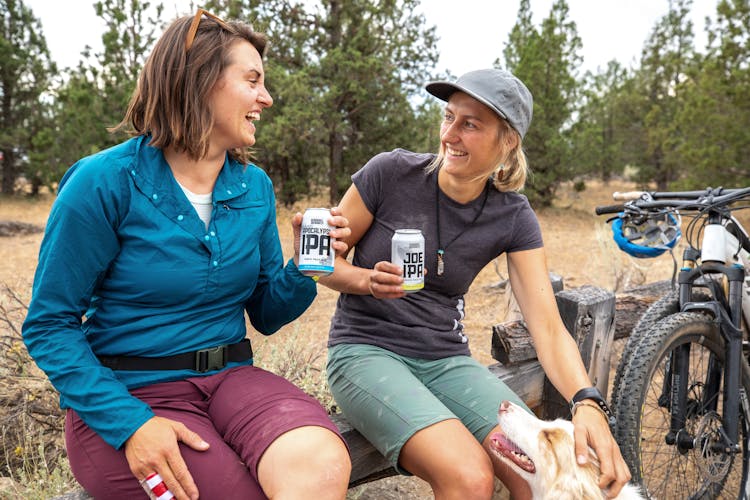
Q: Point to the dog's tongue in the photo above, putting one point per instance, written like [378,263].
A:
[510,450]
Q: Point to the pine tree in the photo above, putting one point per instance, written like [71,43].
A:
[546,60]
[26,71]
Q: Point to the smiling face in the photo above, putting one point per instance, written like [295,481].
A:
[238,98]
[471,137]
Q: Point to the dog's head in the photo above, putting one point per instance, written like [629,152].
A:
[543,453]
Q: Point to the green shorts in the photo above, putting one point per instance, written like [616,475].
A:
[388,398]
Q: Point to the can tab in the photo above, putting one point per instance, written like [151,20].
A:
[214,358]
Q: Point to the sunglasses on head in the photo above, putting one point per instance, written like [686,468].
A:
[190,38]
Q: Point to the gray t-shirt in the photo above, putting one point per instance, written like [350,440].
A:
[426,324]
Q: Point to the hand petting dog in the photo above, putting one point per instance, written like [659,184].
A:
[556,464]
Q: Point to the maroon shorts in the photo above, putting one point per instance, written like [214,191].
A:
[239,412]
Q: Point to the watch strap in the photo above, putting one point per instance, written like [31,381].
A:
[593,394]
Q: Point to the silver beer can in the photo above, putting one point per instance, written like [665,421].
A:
[407,251]
[316,256]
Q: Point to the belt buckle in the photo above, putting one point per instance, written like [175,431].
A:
[213,358]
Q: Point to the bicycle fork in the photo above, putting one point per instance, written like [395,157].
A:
[681,397]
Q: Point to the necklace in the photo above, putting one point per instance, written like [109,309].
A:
[441,247]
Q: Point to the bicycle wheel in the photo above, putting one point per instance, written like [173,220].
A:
[663,307]
[666,471]
[660,309]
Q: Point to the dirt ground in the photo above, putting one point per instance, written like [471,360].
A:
[579,249]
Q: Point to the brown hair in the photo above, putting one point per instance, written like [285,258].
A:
[511,173]
[169,100]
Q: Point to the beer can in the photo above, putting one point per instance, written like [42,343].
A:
[407,251]
[316,255]
[155,487]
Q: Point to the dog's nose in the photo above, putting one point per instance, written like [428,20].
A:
[504,406]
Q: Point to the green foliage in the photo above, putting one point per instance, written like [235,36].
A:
[346,78]
[95,94]
[25,74]
[546,60]
[665,60]
[367,59]
[599,134]
[681,119]
[715,117]
[343,75]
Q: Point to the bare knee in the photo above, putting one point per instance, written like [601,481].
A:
[477,482]
[467,480]
[329,466]
[468,477]
[303,460]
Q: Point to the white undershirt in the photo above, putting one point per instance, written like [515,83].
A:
[201,202]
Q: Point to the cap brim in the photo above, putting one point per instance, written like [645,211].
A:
[444,90]
[441,90]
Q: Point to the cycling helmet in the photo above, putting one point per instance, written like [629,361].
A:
[646,237]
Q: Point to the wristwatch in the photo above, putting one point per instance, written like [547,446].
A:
[594,395]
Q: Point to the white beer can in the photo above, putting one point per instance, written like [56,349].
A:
[407,251]
[316,256]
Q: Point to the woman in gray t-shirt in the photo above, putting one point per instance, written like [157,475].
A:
[399,364]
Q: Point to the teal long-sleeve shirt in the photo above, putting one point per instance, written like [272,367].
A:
[127,268]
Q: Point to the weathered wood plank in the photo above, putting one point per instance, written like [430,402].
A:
[525,379]
[632,303]
[588,314]
[511,343]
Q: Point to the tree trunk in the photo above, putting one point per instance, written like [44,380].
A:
[8,172]
[336,155]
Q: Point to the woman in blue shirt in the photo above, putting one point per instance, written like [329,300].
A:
[154,251]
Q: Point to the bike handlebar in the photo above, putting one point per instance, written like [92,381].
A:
[682,200]
[628,195]
[609,209]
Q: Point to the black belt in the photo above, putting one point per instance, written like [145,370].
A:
[201,361]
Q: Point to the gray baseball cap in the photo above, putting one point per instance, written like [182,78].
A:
[498,89]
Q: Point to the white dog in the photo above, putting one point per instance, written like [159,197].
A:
[543,453]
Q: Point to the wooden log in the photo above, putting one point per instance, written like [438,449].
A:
[525,379]
[511,343]
[588,313]
[632,303]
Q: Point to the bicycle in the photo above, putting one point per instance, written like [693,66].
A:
[680,394]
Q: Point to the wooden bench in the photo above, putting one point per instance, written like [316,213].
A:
[588,313]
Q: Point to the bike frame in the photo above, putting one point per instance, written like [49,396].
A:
[721,257]
[717,260]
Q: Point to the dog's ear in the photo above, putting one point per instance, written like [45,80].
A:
[562,445]
[548,457]
[572,481]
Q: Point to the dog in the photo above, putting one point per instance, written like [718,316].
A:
[543,453]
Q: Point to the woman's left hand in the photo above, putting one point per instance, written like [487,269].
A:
[592,429]
[340,232]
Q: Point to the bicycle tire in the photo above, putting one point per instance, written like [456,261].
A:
[663,307]
[661,469]
[660,309]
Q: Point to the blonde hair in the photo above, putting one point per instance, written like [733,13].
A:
[511,173]
[169,102]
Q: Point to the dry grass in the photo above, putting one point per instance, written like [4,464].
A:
[579,248]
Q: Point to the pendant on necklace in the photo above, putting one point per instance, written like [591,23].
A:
[440,265]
